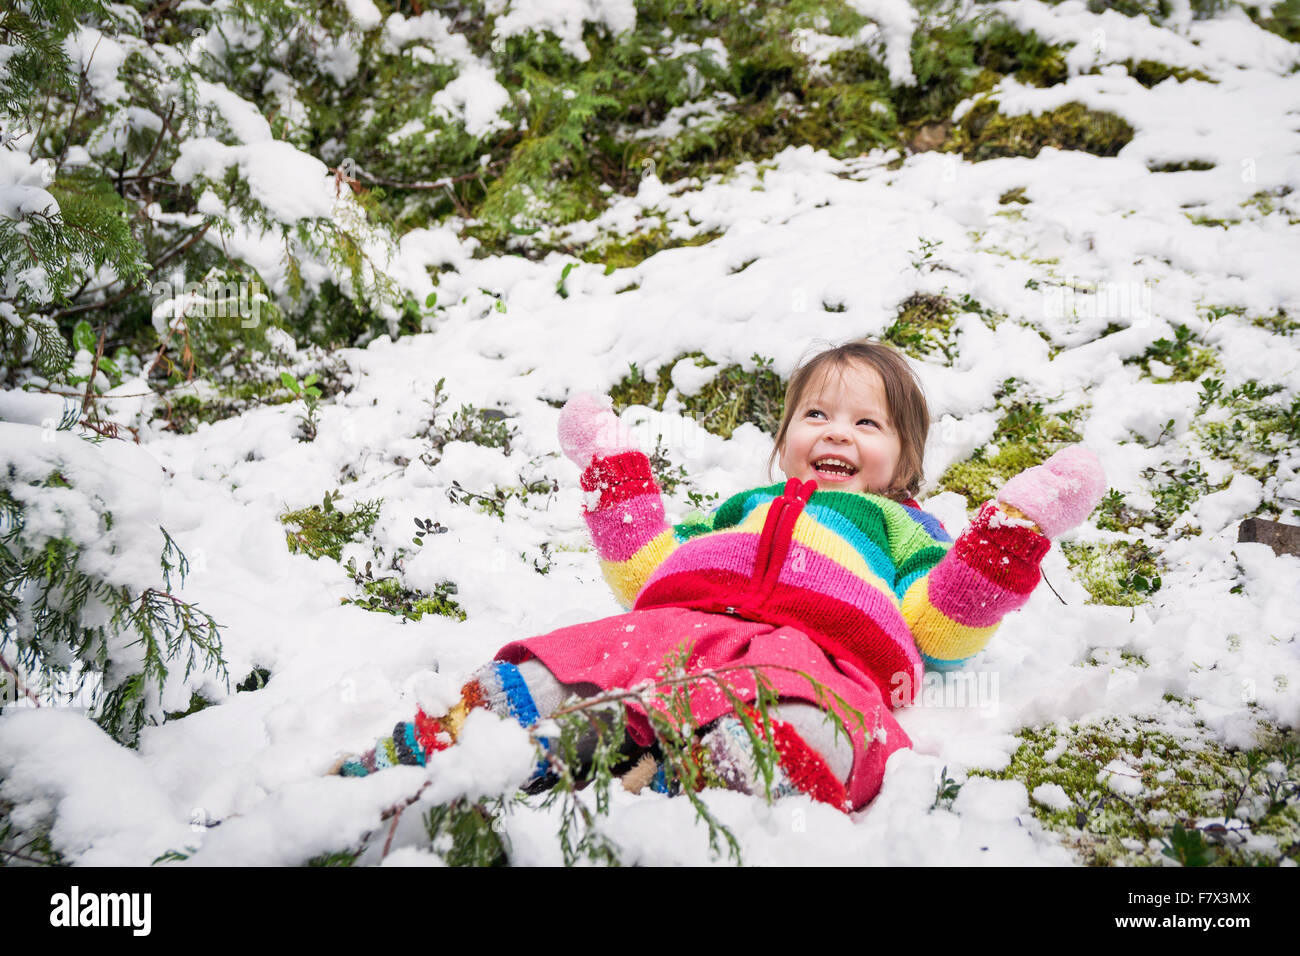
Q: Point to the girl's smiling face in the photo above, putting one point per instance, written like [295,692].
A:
[841,434]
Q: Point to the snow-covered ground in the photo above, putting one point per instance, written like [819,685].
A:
[818,231]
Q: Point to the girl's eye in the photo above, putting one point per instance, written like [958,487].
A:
[815,411]
[867,420]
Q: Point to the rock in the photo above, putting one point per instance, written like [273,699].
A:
[930,136]
[1282,538]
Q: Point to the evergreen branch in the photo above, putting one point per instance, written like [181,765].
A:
[24,857]
[127,290]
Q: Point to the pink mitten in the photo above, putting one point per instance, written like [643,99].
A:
[588,427]
[1059,493]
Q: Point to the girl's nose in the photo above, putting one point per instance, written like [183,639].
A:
[837,431]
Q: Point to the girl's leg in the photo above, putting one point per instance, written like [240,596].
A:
[526,692]
[812,758]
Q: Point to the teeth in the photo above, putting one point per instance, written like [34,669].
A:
[834,464]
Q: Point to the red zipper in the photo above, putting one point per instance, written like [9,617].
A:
[774,544]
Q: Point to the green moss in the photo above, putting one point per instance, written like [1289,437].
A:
[1150,72]
[845,119]
[953,60]
[255,680]
[1279,324]
[1016,195]
[1133,660]
[197,703]
[1154,10]
[984,133]
[1211,221]
[734,395]
[1191,164]
[1032,60]
[924,325]
[1026,436]
[324,530]
[1266,201]
[1282,19]
[1121,574]
[622,253]
[1184,777]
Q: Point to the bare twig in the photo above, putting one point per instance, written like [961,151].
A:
[171,107]
[1049,584]
[88,400]
[429,184]
[81,85]
[392,830]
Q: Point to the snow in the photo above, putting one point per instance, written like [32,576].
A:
[1051,795]
[364,13]
[99,56]
[1221,631]
[563,18]
[897,20]
[289,183]
[474,99]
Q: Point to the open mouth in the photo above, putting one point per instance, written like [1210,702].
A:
[834,469]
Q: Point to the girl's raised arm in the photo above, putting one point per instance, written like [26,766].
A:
[624,509]
[993,566]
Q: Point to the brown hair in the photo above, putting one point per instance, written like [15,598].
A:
[908,412]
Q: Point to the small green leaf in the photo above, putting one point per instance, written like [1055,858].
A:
[309,380]
[289,382]
[431,300]
[83,336]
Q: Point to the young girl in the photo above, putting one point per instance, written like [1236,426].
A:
[836,574]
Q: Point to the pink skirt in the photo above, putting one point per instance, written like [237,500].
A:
[626,649]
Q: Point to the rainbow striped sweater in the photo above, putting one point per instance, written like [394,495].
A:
[871,581]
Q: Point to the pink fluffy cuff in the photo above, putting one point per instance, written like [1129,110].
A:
[588,427]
